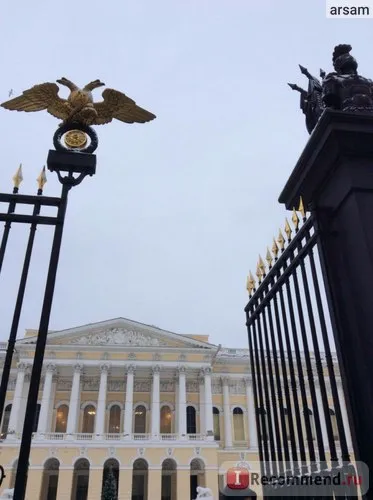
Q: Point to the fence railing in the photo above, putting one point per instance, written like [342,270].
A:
[301,428]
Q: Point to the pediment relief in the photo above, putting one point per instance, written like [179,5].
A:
[122,336]
[118,336]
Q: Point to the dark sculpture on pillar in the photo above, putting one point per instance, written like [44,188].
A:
[343,89]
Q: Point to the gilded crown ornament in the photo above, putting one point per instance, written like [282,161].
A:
[79,112]
[343,89]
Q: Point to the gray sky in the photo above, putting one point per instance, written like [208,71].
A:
[179,209]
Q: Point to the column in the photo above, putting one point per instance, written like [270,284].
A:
[14,421]
[202,427]
[46,403]
[346,424]
[101,402]
[183,484]
[227,414]
[182,403]
[74,400]
[324,432]
[253,436]
[154,483]
[128,406]
[155,402]
[177,399]
[209,422]
[65,483]
[125,484]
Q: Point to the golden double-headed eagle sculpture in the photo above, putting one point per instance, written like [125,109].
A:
[79,107]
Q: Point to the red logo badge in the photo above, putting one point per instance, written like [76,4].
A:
[238,478]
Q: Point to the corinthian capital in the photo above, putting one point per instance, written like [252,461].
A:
[156,369]
[78,368]
[104,368]
[51,368]
[22,367]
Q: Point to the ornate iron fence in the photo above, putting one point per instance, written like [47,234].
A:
[301,423]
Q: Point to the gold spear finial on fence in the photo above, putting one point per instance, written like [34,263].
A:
[269,258]
[42,179]
[275,249]
[301,208]
[295,219]
[258,273]
[18,177]
[288,230]
[250,284]
[262,266]
[281,240]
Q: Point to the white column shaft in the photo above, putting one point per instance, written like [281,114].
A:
[202,426]
[14,421]
[182,404]
[227,416]
[101,402]
[46,404]
[253,436]
[324,432]
[128,407]
[209,423]
[155,404]
[346,424]
[177,399]
[74,402]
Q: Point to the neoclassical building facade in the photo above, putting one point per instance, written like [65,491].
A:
[163,412]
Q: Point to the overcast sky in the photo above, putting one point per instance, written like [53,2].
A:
[179,209]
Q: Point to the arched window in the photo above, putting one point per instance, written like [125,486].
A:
[191,420]
[312,423]
[80,479]
[168,487]
[166,420]
[61,418]
[140,420]
[36,419]
[216,419]
[238,426]
[50,479]
[4,428]
[110,476]
[140,480]
[89,416]
[286,416]
[263,423]
[333,419]
[197,476]
[12,480]
[114,419]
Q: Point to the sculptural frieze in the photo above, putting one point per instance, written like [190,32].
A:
[343,89]
[118,336]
